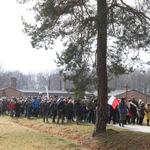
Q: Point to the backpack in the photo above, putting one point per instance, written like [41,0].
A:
[35,104]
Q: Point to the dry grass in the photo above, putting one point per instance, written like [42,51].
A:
[23,134]
[33,134]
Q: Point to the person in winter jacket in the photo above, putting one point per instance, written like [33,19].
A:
[17,108]
[78,111]
[112,115]
[122,111]
[4,106]
[69,111]
[35,106]
[45,109]
[141,110]
[53,109]
[61,110]
[133,109]
[147,112]
[11,107]
[128,117]
[28,107]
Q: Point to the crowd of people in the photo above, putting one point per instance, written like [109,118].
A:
[68,110]
[58,109]
[129,112]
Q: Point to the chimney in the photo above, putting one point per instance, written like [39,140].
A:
[49,84]
[13,82]
[59,85]
[65,84]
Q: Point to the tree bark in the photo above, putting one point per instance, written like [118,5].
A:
[101,113]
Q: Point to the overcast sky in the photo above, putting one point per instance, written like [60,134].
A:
[16,52]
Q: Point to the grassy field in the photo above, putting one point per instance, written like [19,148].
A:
[24,134]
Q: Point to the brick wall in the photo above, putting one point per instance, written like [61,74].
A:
[11,92]
[13,82]
[135,94]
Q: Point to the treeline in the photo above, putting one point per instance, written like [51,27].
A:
[137,80]
[33,81]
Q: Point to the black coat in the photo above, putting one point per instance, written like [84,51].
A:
[78,109]
[53,108]
[61,107]
[17,106]
[45,106]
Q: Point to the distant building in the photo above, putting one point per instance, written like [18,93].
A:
[129,94]
[43,92]
[12,91]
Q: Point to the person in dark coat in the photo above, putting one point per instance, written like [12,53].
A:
[112,115]
[128,117]
[28,107]
[78,111]
[91,111]
[4,107]
[17,108]
[61,110]
[53,109]
[85,110]
[141,110]
[45,109]
[122,111]
[69,111]
[24,107]
[133,109]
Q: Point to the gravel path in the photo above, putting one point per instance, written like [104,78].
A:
[135,127]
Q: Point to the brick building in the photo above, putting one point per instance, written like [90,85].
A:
[11,91]
[129,94]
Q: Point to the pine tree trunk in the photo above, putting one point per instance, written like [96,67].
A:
[101,114]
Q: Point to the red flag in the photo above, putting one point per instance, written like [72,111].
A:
[113,101]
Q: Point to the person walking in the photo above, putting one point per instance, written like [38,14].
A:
[78,111]
[133,109]
[69,111]
[17,108]
[147,112]
[35,106]
[122,111]
[53,109]
[45,109]
[11,107]
[28,107]
[141,110]
[112,115]
[61,110]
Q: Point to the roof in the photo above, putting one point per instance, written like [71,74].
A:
[118,92]
[50,91]
[11,88]
[113,93]
[44,91]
